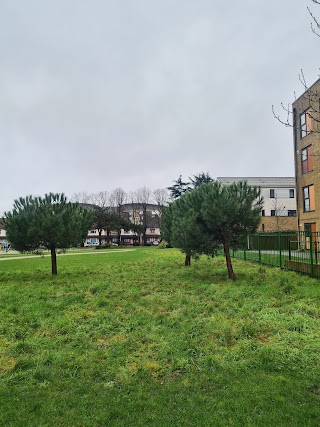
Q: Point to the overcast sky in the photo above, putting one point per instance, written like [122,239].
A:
[99,94]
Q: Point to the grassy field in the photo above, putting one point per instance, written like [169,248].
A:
[15,254]
[136,339]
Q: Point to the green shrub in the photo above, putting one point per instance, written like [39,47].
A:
[163,245]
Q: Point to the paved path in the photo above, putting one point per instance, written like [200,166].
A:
[67,254]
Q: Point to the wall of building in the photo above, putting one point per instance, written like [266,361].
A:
[281,223]
[282,202]
[310,178]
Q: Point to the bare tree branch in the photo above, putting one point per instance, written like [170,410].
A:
[315,21]
[82,197]
[310,97]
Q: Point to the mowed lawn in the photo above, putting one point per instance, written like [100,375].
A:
[137,339]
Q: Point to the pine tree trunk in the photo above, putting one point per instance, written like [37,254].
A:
[228,259]
[54,270]
[187,261]
[100,238]
[108,236]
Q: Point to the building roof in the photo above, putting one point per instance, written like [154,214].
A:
[310,88]
[263,182]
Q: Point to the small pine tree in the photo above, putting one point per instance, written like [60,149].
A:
[229,214]
[49,222]
[181,227]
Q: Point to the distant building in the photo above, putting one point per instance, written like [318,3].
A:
[279,194]
[133,212]
[3,238]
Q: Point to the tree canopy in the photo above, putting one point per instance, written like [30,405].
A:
[181,227]
[50,222]
[179,188]
[213,216]
[200,179]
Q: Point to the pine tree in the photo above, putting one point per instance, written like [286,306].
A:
[200,178]
[213,216]
[181,227]
[179,188]
[49,222]
[229,214]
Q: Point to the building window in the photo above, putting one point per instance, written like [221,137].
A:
[291,193]
[152,230]
[308,198]
[272,194]
[263,212]
[310,227]
[305,124]
[273,212]
[306,159]
[292,213]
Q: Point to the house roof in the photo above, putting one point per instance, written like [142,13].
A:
[263,182]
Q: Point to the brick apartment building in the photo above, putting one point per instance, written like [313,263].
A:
[306,138]
[279,194]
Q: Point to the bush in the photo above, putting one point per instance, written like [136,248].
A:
[163,245]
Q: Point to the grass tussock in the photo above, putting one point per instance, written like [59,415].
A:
[135,339]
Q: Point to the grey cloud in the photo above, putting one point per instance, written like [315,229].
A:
[101,94]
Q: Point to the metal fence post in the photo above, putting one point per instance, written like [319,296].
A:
[311,257]
[244,253]
[279,248]
[259,248]
[289,250]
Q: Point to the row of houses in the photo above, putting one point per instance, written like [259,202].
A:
[133,213]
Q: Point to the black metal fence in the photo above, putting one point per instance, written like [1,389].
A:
[297,251]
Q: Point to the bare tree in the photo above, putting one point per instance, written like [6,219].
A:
[315,25]
[161,197]
[101,199]
[117,199]
[82,197]
[140,200]
[280,213]
[310,97]
[136,214]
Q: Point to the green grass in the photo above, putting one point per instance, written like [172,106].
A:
[137,339]
[11,254]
